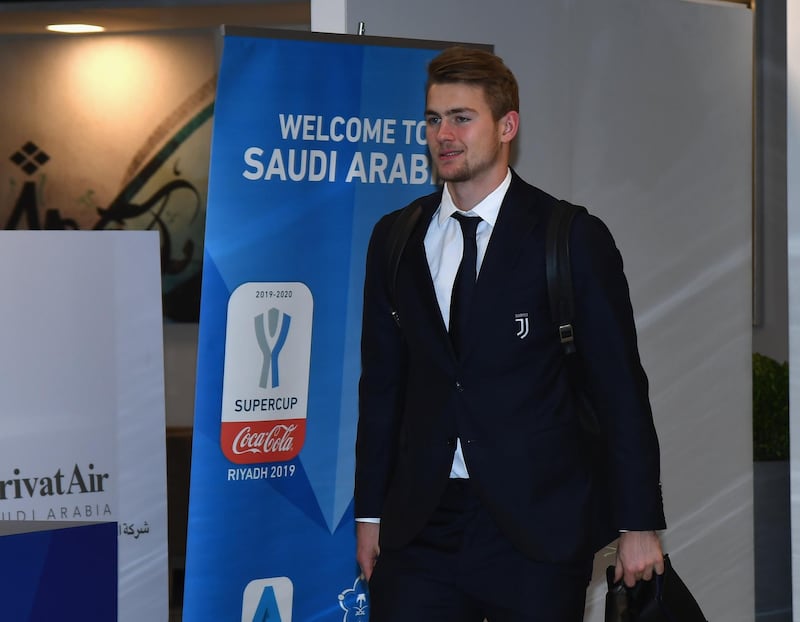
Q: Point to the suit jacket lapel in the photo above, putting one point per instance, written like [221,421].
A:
[517,218]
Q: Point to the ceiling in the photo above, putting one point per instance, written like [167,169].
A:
[31,18]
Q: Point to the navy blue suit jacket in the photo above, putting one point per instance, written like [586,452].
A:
[507,398]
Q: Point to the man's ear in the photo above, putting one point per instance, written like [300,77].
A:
[509,126]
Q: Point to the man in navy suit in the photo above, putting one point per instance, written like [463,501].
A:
[476,497]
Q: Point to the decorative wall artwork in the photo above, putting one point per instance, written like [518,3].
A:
[109,133]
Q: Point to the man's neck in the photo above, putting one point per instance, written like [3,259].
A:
[467,194]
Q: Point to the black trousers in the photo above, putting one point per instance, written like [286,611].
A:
[462,569]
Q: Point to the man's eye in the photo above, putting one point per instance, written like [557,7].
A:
[433,120]
[462,119]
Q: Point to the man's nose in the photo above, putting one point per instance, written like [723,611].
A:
[445,131]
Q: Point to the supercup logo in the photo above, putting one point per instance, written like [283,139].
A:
[267,364]
[271,339]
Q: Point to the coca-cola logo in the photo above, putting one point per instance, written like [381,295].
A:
[277,440]
[251,442]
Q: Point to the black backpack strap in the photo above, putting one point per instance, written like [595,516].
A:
[559,272]
[398,238]
[562,310]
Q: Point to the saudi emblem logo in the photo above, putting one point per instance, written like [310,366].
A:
[267,366]
[355,602]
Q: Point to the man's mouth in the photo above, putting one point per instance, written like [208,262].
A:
[449,154]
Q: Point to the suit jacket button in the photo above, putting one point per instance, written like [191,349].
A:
[451,442]
[459,386]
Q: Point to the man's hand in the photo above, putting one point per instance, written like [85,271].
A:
[367,549]
[639,554]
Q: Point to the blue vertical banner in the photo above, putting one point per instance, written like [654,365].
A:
[314,138]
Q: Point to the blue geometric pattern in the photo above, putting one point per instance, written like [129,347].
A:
[60,574]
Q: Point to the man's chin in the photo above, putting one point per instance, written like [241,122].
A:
[452,175]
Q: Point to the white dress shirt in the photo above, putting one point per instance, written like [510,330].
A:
[444,245]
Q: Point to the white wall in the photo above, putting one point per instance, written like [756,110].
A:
[662,150]
[641,109]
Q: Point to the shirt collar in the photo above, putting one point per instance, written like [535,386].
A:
[487,209]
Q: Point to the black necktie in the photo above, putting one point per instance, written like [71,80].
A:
[464,284]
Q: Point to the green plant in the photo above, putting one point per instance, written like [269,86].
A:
[770,409]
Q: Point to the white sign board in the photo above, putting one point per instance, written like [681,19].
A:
[82,395]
